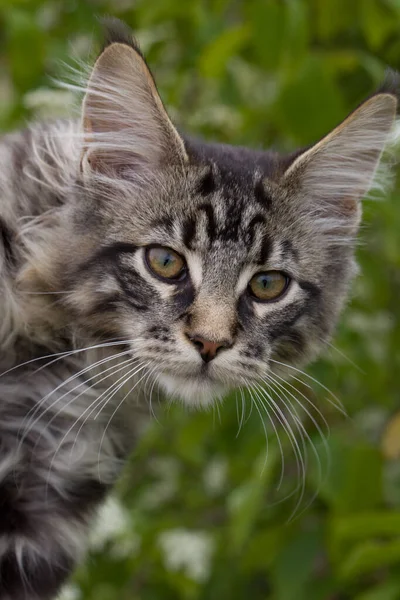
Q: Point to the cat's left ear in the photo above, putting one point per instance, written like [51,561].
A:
[332,176]
[125,125]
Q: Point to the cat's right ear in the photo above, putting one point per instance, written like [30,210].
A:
[331,177]
[125,125]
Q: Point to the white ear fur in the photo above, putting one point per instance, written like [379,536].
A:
[338,171]
[125,123]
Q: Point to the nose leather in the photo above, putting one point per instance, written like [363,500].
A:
[208,349]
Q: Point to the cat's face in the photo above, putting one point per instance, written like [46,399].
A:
[213,277]
[219,265]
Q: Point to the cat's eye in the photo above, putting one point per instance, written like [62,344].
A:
[268,286]
[165,263]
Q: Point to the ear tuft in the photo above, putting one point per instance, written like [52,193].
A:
[332,176]
[125,125]
[116,31]
[391,84]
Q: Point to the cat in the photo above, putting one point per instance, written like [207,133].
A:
[131,254]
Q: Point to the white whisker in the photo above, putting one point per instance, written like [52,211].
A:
[114,413]
[254,401]
[103,399]
[304,434]
[115,369]
[151,390]
[274,376]
[338,405]
[40,404]
[94,402]
[341,353]
[292,438]
[61,355]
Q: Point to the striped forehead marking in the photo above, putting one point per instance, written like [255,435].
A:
[206,227]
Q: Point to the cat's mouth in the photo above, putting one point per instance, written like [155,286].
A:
[197,389]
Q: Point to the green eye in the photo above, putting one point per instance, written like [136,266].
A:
[269,285]
[165,263]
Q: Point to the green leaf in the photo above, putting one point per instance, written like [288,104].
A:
[297,559]
[386,590]
[345,533]
[214,58]
[26,46]
[377,22]
[334,16]
[310,103]
[354,482]
[368,558]
[245,501]
[359,526]
[296,34]
[268,26]
[264,546]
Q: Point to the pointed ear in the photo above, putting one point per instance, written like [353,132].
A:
[333,175]
[125,125]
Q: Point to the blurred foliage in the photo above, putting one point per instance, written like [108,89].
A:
[204,515]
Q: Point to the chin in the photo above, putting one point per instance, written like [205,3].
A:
[196,392]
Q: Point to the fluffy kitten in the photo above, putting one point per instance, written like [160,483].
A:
[131,255]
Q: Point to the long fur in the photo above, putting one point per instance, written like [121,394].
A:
[87,330]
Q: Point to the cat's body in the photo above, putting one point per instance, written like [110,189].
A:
[82,209]
[51,477]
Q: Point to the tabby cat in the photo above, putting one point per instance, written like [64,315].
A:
[132,255]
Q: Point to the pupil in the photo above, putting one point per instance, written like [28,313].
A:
[166,260]
[265,282]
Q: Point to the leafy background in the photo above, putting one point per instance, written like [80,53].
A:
[199,513]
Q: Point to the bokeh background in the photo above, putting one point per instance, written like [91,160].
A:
[200,514]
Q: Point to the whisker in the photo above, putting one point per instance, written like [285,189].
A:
[353,364]
[237,413]
[111,392]
[281,455]
[104,396]
[287,428]
[339,406]
[241,421]
[95,401]
[114,369]
[273,377]
[151,390]
[303,432]
[112,416]
[218,411]
[250,412]
[254,401]
[301,461]
[127,363]
[43,293]
[37,408]
[61,355]
[264,403]
[151,393]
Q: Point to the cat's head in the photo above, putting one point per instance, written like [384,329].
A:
[219,264]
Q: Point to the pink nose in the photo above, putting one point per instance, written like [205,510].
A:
[207,349]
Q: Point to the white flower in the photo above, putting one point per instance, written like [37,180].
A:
[157,494]
[70,592]
[215,476]
[112,520]
[190,551]
[129,546]
[167,471]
